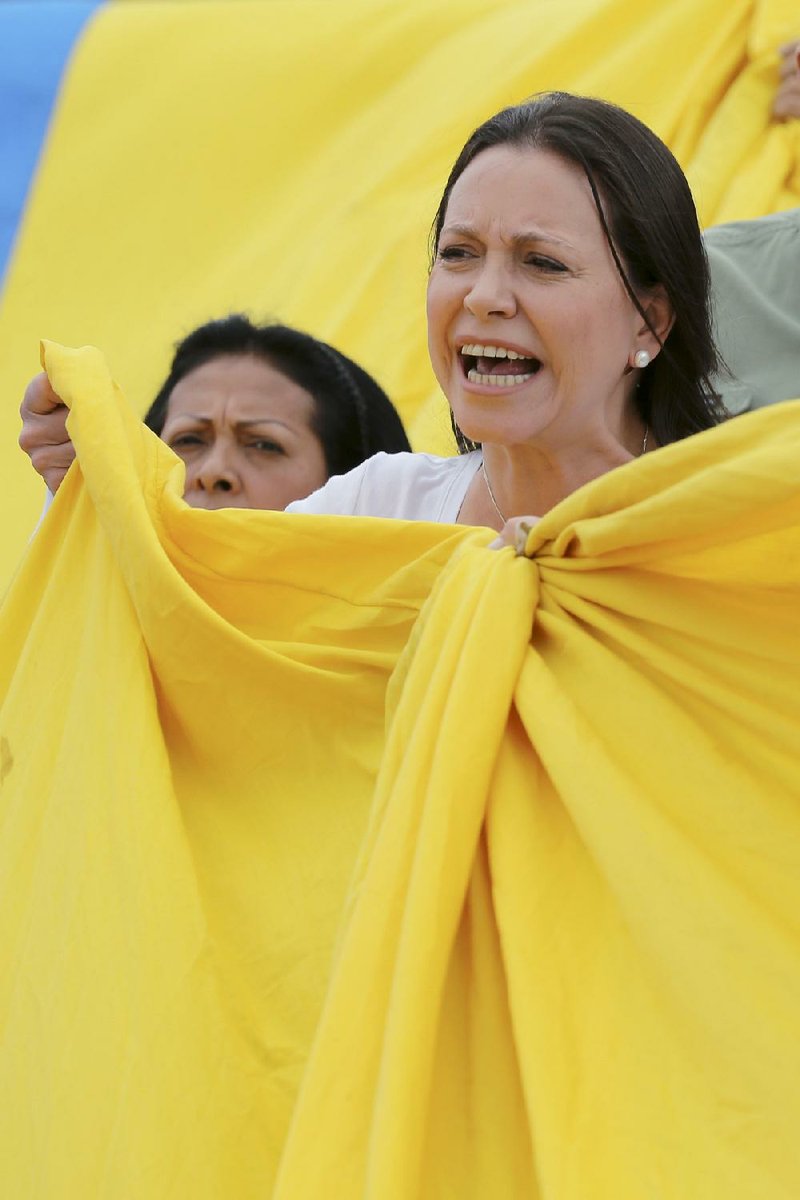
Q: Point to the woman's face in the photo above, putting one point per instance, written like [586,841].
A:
[244,432]
[529,324]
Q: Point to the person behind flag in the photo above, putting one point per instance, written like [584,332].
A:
[568,315]
[260,414]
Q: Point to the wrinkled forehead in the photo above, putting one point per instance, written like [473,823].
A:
[518,186]
[240,388]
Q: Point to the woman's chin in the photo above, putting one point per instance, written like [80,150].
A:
[505,423]
[495,431]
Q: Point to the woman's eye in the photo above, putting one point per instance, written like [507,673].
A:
[543,263]
[455,253]
[185,439]
[266,445]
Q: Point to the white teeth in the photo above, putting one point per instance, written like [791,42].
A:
[476,350]
[498,380]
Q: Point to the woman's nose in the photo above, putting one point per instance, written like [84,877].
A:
[216,472]
[491,294]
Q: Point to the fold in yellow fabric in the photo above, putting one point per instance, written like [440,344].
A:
[350,858]
[301,148]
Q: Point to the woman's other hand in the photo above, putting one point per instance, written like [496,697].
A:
[44,436]
[787,98]
[515,534]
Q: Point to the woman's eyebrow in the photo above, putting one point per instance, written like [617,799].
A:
[262,421]
[238,424]
[538,235]
[521,238]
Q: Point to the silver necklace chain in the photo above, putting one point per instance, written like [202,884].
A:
[491,493]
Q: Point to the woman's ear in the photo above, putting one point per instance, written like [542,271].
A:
[661,317]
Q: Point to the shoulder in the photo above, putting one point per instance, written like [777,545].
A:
[762,254]
[411,487]
[735,238]
[755,278]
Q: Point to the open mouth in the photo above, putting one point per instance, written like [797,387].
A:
[497,366]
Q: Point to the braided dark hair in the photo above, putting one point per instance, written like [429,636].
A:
[348,385]
[648,216]
[353,417]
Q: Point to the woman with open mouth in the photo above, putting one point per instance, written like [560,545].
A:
[568,321]
[575,902]
[568,318]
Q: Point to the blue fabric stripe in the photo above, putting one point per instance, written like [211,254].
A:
[35,42]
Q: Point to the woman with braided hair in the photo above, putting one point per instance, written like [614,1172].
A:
[261,415]
[424,871]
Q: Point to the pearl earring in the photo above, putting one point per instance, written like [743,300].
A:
[641,359]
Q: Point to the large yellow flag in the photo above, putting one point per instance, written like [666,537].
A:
[538,938]
[286,157]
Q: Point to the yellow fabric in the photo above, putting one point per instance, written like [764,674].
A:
[286,157]
[568,957]
[169,902]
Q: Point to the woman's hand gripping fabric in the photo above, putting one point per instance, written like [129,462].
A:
[515,534]
[44,436]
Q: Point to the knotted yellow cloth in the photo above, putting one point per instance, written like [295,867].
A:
[538,939]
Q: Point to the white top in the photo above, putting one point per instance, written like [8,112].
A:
[411,487]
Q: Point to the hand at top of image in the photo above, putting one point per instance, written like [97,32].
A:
[787,99]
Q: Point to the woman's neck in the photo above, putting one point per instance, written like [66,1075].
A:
[530,479]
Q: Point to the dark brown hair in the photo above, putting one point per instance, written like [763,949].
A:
[353,417]
[649,218]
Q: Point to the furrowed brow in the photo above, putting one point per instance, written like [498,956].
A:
[523,238]
[462,230]
[538,235]
[262,421]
